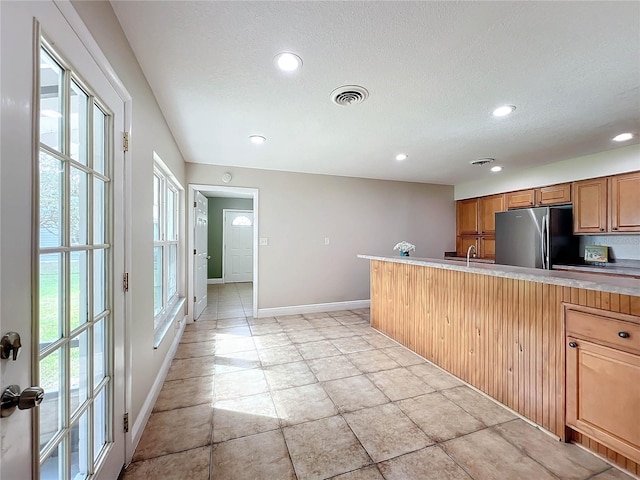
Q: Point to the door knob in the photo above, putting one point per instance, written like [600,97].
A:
[10,345]
[12,398]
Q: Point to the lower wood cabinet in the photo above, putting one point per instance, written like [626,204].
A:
[485,245]
[603,377]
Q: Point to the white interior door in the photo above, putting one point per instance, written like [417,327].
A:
[62,261]
[238,246]
[201,256]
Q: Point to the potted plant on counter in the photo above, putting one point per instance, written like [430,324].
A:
[405,248]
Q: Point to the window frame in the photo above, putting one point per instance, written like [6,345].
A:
[170,301]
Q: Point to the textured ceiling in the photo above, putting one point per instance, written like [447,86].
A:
[434,71]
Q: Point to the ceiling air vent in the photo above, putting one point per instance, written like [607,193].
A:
[482,161]
[349,95]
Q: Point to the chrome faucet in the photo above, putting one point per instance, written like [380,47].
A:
[471,247]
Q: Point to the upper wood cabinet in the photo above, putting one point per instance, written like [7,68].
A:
[467,216]
[488,207]
[624,203]
[521,199]
[590,206]
[554,195]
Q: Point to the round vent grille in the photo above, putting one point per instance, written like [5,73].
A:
[349,95]
[482,161]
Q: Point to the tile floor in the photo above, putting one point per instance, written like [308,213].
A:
[325,396]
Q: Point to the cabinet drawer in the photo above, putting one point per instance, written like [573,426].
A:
[624,335]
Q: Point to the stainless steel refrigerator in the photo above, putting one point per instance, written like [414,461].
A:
[536,237]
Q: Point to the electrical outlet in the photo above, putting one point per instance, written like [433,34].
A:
[326,240]
[264,241]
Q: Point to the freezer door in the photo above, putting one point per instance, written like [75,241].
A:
[519,237]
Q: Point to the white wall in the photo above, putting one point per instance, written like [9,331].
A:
[611,162]
[297,211]
[149,133]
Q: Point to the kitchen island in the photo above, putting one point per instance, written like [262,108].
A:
[502,330]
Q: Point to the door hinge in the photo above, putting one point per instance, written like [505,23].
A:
[195,299]
[195,204]
[194,251]
[125,422]
[125,282]
[125,141]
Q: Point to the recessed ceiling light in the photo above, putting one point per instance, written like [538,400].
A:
[287,61]
[497,168]
[401,156]
[623,137]
[503,110]
[257,139]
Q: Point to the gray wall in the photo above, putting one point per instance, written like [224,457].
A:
[215,223]
[297,211]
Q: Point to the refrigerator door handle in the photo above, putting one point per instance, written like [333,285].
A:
[543,241]
[547,260]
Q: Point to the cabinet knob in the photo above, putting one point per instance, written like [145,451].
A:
[614,228]
[623,335]
[602,229]
[573,344]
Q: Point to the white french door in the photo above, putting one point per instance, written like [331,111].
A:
[238,245]
[78,429]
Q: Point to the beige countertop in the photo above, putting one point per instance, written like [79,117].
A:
[578,279]
[602,270]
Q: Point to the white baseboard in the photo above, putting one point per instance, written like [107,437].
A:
[214,281]
[313,308]
[152,396]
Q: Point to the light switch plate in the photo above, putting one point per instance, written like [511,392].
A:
[326,240]
[264,241]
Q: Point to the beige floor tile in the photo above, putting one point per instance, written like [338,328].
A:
[203,323]
[323,322]
[240,417]
[192,465]
[233,362]
[288,375]
[302,404]
[294,325]
[240,384]
[159,436]
[378,340]
[305,336]
[565,460]
[372,361]
[439,417]
[258,457]
[427,464]
[432,375]
[354,393]
[312,350]
[363,329]
[340,313]
[351,344]
[230,314]
[485,410]
[232,345]
[366,473]
[184,393]
[191,350]
[332,368]
[261,321]
[324,448]
[191,336]
[233,332]
[404,356]
[191,367]
[386,432]
[485,455]
[612,474]
[278,355]
[272,340]
[399,383]
[339,331]
[266,328]
[349,319]
[287,318]
[315,316]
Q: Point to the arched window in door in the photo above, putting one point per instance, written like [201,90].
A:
[241,221]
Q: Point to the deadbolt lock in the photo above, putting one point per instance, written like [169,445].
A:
[10,345]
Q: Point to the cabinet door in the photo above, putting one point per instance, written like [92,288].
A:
[554,194]
[488,247]
[590,206]
[603,395]
[521,199]
[624,203]
[467,216]
[488,208]
[464,242]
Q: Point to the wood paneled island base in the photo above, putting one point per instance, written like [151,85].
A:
[505,336]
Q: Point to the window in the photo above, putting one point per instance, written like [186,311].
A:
[166,258]
[241,221]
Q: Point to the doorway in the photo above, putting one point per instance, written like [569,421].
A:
[214,191]
[237,246]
